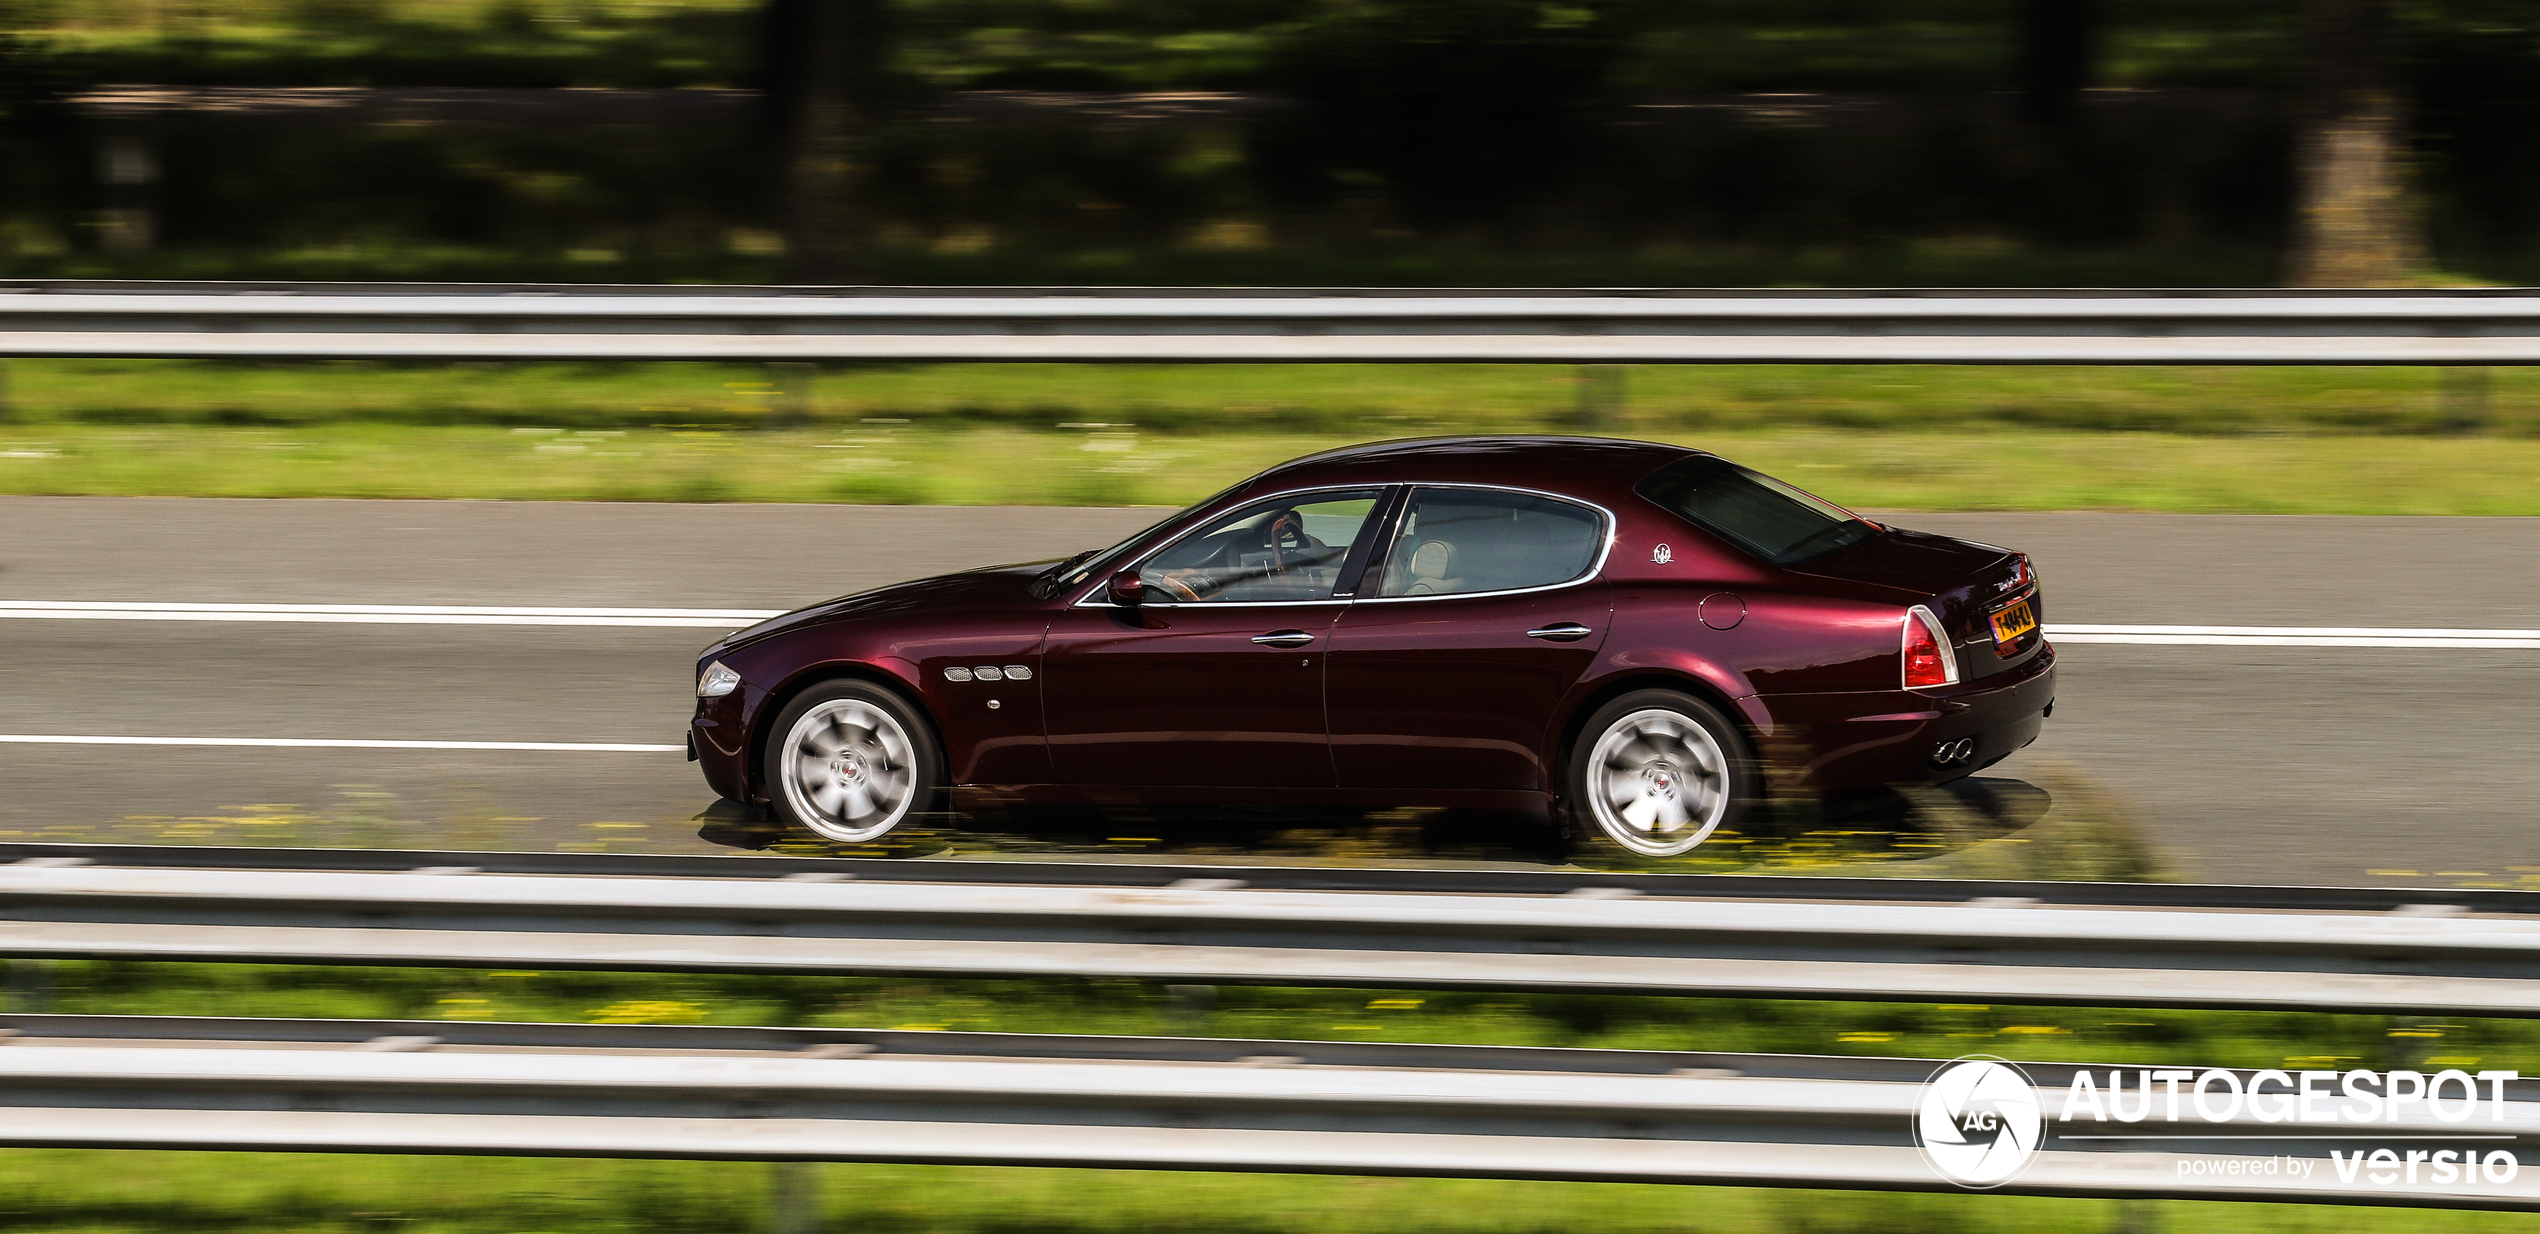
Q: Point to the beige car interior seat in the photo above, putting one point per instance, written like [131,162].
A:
[1431,569]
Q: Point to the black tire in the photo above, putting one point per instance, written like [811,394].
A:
[851,762]
[1654,773]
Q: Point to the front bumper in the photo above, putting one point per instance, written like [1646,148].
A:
[1845,742]
[718,743]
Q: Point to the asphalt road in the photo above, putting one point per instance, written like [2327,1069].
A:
[2259,764]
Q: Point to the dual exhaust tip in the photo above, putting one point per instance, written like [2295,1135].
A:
[1953,753]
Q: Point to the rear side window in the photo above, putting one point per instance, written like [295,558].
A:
[1455,541]
[1754,511]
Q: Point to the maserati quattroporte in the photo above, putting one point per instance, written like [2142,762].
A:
[1625,637]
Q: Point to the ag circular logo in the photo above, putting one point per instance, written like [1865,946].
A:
[1978,1121]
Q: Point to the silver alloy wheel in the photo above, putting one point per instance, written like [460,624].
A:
[849,770]
[1657,782]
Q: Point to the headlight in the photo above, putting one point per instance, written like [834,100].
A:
[717,681]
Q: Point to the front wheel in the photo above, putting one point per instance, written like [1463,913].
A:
[850,762]
[1655,772]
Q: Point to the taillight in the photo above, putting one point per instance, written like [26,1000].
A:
[2026,576]
[1928,660]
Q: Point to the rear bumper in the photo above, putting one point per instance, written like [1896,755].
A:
[1844,742]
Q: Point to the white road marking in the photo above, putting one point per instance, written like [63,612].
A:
[716,618]
[2295,636]
[387,614]
[320,743]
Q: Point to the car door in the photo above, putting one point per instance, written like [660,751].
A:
[1216,680]
[1471,624]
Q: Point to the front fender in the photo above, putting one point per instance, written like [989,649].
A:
[990,731]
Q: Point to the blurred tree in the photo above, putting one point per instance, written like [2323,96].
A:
[1453,107]
[2058,44]
[2355,222]
[2474,105]
[824,81]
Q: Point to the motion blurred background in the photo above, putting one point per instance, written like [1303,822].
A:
[1332,142]
[1336,143]
[2111,143]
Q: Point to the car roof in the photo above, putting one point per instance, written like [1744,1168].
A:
[1593,467]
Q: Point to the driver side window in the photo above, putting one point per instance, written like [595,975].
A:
[1283,549]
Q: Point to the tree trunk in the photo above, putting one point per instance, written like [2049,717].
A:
[2356,224]
[826,60]
[2058,43]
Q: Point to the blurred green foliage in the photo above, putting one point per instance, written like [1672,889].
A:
[1401,142]
[625,43]
[1153,44]
[2036,469]
[1383,399]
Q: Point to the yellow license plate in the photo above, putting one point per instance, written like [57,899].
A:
[2012,622]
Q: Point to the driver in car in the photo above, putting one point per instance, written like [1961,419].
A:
[1275,558]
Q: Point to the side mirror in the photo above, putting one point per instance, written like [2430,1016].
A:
[1126,590]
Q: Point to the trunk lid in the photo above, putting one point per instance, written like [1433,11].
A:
[1964,583]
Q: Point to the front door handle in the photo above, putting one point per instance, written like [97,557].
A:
[1283,638]
[1559,632]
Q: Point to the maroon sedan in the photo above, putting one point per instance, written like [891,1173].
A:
[1625,636]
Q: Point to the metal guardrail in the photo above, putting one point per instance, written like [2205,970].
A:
[1592,326]
[977,1098]
[1220,926]
[1446,879]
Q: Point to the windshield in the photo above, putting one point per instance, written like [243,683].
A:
[1085,565]
[1756,512]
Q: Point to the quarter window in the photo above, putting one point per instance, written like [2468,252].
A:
[1456,541]
[1283,549]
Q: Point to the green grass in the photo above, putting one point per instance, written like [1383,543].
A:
[2288,441]
[1328,398]
[2030,469]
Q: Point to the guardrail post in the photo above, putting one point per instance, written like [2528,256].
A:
[793,382]
[1190,1006]
[1601,394]
[793,1197]
[30,986]
[128,168]
[2461,403]
[2135,1217]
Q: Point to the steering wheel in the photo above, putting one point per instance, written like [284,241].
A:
[1176,586]
[1284,524]
[1280,524]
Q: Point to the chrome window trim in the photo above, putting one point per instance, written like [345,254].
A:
[1094,597]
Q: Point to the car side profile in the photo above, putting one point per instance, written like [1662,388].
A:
[1623,636]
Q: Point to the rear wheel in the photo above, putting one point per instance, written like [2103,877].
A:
[851,762]
[1655,773]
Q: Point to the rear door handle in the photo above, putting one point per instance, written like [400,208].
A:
[1283,638]
[1559,632]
